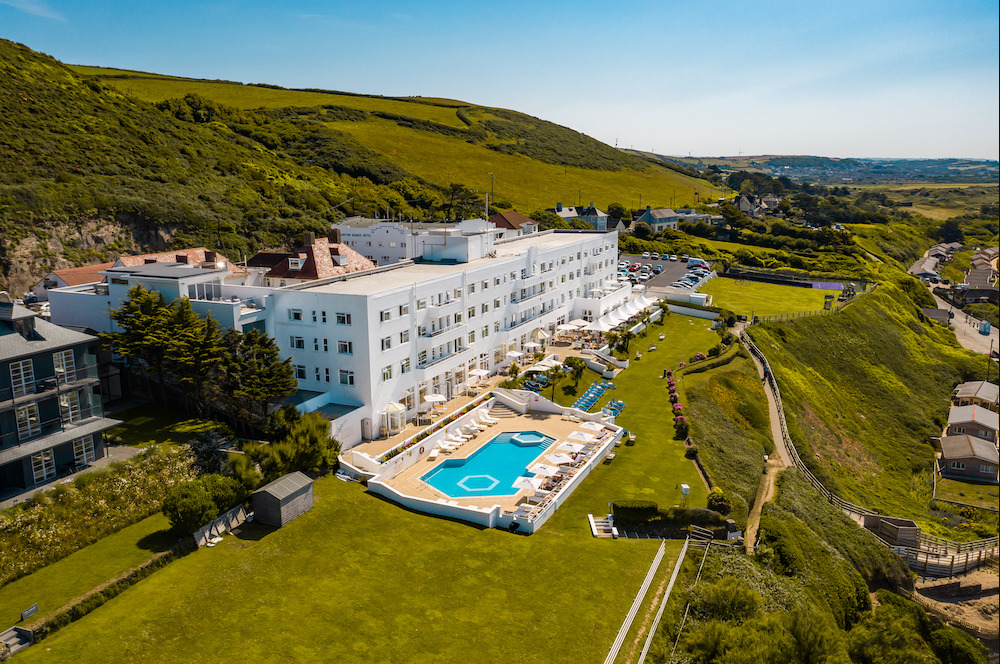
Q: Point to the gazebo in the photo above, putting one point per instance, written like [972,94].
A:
[393,418]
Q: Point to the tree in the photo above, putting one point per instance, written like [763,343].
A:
[641,230]
[226,492]
[554,375]
[577,366]
[951,231]
[718,501]
[513,370]
[624,337]
[307,446]
[189,506]
[194,355]
[144,339]
[254,378]
[459,201]
[612,338]
[617,211]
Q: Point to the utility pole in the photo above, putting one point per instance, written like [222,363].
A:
[492,196]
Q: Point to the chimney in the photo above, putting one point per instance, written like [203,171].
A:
[648,209]
[308,238]
[558,207]
[333,235]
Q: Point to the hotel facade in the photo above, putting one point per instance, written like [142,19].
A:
[365,342]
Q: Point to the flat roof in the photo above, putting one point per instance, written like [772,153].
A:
[167,270]
[412,273]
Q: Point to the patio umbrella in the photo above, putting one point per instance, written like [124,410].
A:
[572,448]
[581,436]
[543,469]
[593,426]
[513,354]
[579,322]
[532,344]
[599,326]
[481,373]
[559,458]
[435,398]
[566,327]
[525,482]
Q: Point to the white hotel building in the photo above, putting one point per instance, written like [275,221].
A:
[364,341]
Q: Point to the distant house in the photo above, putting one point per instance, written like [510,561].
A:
[514,224]
[975,421]
[51,415]
[965,457]
[314,259]
[977,393]
[937,315]
[71,276]
[984,278]
[623,226]
[590,214]
[924,268]
[659,219]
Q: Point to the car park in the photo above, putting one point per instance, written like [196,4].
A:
[673,257]
[657,269]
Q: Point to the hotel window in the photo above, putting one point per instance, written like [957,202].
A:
[486,285]
[386,343]
[458,318]
[65,366]
[300,371]
[472,289]
[22,378]
[472,312]
[404,309]
[472,337]
[69,407]
[294,314]
[496,326]
[43,465]
[28,423]
[317,374]
[404,336]
[387,373]
[496,281]
[421,304]
[346,377]
[486,331]
[315,317]
[326,370]
[385,315]
[496,304]
[345,347]
[83,450]
[422,357]
[297,342]
[343,319]
[322,316]
[485,308]
[404,366]
[326,345]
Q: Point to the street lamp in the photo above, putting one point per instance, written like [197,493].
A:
[492,178]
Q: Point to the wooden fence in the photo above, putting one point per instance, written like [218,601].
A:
[933,556]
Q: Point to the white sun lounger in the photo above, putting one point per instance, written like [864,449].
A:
[434,454]
[470,431]
[485,417]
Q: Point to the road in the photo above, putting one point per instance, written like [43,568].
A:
[967,331]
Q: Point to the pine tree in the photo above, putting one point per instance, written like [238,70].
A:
[194,355]
[144,319]
[254,377]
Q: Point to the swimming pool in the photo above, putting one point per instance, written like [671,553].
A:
[492,469]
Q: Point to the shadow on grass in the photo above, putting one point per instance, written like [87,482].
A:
[253,531]
[159,541]
[433,516]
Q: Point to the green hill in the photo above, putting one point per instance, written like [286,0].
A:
[98,162]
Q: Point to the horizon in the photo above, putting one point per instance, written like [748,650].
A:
[910,79]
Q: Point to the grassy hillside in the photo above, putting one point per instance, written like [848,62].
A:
[864,392]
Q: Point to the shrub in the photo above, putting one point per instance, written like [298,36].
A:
[244,471]
[633,511]
[681,428]
[188,507]
[726,599]
[691,452]
[225,492]
[718,501]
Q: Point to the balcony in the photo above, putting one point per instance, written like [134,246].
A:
[442,308]
[529,319]
[49,386]
[55,425]
[430,334]
[438,360]
[530,296]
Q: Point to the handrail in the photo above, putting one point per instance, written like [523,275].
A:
[959,548]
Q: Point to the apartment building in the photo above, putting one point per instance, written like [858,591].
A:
[51,417]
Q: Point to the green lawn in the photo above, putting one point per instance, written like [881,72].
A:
[53,586]
[983,495]
[151,423]
[757,298]
[359,579]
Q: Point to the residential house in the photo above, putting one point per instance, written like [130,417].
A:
[974,420]
[965,457]
[51,417]
[71,276]
[659,219]
[513,224]
[979,393]
[924,268]
[590,214]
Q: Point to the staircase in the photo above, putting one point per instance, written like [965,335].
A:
[16,638]
[503,411]
[602,527]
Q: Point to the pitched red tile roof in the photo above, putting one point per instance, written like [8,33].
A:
[317,261]
[86,274]
[511,219]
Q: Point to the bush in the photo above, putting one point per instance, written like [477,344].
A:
[726,599]
[225,492]
[718,501]
[691,452]
[188,507]
[244,471]
[633,511]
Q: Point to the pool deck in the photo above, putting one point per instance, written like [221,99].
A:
[409,482]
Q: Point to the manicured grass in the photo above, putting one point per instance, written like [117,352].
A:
[53,586]
[761,299]
[983,495]
[151,424]
[526,183]
[358,579]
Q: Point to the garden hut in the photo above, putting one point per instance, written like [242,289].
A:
[284,499]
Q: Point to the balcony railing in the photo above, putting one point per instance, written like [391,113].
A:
[529,319]
[427,334]
[55,383]
[50,427]
[530,296]
[442,358]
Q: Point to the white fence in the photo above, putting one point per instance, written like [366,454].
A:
[221,525]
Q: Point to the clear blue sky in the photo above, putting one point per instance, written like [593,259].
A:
[871,78]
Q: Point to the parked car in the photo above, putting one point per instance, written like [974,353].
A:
[655,256]
[645,254]
[673,257]
[657,269]
[684,258]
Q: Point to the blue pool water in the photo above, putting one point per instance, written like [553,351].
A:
[492,469]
